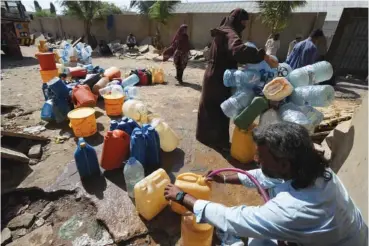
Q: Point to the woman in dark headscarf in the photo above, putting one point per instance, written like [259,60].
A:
[179,47]
[226,51]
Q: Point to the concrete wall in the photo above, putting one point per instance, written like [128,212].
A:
[199,28]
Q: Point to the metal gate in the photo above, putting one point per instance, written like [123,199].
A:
[348,52]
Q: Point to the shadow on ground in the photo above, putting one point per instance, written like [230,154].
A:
[8,62]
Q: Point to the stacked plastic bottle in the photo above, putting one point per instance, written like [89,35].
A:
[311,74]
[313,95]
[237,102]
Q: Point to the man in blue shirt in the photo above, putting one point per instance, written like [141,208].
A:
[305,52]
[308,203]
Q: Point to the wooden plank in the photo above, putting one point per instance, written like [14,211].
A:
[13,155]
[23,135]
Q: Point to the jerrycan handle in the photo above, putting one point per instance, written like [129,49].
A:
[189,177]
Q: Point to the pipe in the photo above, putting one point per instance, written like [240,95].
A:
[261,190]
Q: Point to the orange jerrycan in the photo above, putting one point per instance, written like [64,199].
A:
[149,194]
[194,234]
[243,147]
[193,184]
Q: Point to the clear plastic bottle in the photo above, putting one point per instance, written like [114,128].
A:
[233,105]
[314,116]
[241,79]
[321,71]
[292,113]
[313,95]
[298,77]
[131,92]
[284,69]
[131,80]
[133,173]
[114,90]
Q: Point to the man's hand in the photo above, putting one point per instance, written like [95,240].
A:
[216,178]
[171,191]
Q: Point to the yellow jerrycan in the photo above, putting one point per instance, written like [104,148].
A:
[193,234]
[243,147]
[149,194]
[193,184]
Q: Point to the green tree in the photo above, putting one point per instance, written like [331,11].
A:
[276,14]
[160,11]
[89,11]
[37,6]
[52,9]
[44,13]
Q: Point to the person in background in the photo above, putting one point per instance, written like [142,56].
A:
[272,45]
[179,49]
[322,48]
[293,43]
[131,41]
[308,203]
[226,51]
[305,52]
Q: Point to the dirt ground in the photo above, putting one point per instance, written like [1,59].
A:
[177,105]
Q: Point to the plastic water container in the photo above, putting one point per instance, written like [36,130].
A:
[243,147]
[249,114]
[113,90]
[133,173]
[169,140]
[57,86]
[152,149]
[45,91]
[82,96]
[91,80]
[292,113]
[321,71]
[135,110]
[149,194]
[112,72]
[130,81]
[131,92]
[238,78]
[102,83]
[86,159]
[193,184]
[113,125]
[313,95]
[115,149]
[233,105]
[138,145]
[269,117]
[47,113]
[313,115]
[194,234]
[61,109]
[284,69]
[311,74]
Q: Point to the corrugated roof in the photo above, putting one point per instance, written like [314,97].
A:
[333,8]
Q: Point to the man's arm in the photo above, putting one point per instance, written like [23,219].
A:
[266,222]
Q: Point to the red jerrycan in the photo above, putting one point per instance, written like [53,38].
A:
[82,96]
[115,149]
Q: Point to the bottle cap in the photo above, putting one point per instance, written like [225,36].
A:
[82,145]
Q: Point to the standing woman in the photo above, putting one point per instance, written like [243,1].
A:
[226,51]
[180,48]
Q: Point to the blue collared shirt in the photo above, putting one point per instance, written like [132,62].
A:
[304,53]
[322,214]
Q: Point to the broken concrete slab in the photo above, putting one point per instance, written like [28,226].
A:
[22,135]
[6,236]
[21,221]
[39,222]
[39,236]
[33,162]
[19,233]
[13,155]
[35,151]
[47,211]
[34,129]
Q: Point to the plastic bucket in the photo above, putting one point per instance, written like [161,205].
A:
[46,60]
[113,105]
[83,122]
[48,75]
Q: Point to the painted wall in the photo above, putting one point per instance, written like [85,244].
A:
[199,26]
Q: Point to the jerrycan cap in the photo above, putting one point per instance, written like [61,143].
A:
[132,161]
[82,145]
